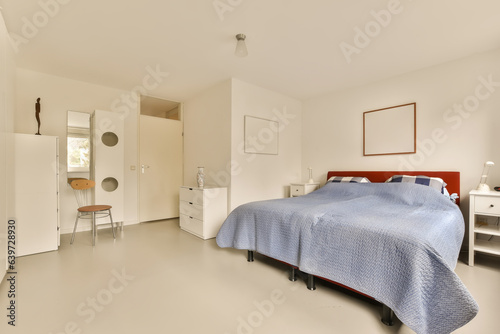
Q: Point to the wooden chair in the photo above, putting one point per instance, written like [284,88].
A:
[86,210]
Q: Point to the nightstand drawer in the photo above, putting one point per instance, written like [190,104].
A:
[191,225]
[487,205]
[299,189]
[191,209]
[296,190]
[192,195]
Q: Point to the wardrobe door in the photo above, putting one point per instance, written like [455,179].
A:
[7,96]
[36,165]
[107,129]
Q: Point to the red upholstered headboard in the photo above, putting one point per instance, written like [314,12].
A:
[452,179]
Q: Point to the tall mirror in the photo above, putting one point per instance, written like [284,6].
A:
[78,144]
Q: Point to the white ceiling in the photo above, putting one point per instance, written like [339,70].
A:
[293,45]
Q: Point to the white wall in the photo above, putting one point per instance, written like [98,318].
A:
[207,135]
[7,95]
[262,176]
[213,138]
[58,95]
[332,126]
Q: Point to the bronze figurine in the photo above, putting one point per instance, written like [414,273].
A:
[37,115]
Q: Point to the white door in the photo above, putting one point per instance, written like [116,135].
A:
[36,193]
[160,171]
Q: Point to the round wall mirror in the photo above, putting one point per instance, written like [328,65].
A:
[109,184]
[109,139]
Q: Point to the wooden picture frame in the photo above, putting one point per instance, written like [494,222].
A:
[391,130]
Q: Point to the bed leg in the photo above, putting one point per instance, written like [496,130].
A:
[250,256]
[311,284]
[293,274]
[387,315]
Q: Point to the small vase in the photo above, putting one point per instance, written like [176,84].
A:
[200,177]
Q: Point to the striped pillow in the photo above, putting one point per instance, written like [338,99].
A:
[433,182]
[349,179]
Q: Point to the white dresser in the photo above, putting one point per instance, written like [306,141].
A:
[202,210]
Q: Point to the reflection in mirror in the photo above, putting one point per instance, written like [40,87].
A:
[78,139]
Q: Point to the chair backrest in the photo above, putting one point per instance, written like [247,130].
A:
[82,188]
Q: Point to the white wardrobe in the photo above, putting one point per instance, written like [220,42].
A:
[7,107]
[36,193]
[107,133]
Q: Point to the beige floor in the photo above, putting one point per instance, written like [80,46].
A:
[156,278]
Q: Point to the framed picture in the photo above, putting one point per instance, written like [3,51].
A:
[261,135]
[390,130]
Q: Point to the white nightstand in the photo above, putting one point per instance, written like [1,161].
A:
[483,204]
[299,189]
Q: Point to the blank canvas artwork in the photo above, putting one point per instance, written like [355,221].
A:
[390,130]
[261,135]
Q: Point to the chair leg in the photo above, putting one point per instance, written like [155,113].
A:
[74,229]
[112,226]
[94,232]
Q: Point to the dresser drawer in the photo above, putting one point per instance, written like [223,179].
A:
[296,190]
[191,195]
[192,210]
[487,205]
[202,210]
[191,225]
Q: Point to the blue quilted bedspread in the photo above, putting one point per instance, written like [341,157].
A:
[396,242]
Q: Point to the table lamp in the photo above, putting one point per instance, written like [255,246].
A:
[482,182]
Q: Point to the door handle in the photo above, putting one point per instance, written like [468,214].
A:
[143,168]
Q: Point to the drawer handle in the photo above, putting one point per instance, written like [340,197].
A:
[191,203]
[296,189]
[491,206]
[190,188]
[190,217]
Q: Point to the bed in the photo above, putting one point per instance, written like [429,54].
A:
[396,242]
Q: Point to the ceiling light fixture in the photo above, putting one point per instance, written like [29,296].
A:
[241,48]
